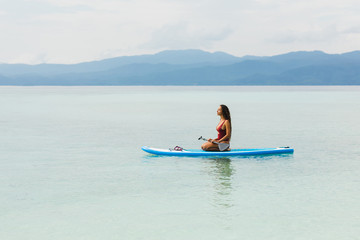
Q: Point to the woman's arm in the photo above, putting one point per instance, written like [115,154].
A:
[228,132]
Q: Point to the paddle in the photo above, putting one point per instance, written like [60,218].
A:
[222,146]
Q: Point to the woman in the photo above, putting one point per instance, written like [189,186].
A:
[223,128]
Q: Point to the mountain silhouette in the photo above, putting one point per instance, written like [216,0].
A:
[193,67]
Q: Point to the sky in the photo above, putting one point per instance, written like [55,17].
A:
[72,31]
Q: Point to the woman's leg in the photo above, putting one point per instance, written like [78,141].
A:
[208,146]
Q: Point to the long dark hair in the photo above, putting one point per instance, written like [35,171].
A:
[226,113]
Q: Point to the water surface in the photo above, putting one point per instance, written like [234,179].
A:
[72,168]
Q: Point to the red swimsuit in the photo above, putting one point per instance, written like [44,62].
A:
[221,132]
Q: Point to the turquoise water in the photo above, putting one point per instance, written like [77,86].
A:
[72,168]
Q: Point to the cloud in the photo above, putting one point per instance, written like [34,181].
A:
[25,10]
[352,30]
[69,31]
[31,58]
[183,35]
[309,36]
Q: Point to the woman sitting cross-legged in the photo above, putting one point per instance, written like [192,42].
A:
[223,128]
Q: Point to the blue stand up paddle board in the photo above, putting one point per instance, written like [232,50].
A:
[232,152]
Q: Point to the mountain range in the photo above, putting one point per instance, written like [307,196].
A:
[193,67]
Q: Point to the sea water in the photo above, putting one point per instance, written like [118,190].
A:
[72,166]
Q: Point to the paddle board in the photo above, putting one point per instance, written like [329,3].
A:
[232,152]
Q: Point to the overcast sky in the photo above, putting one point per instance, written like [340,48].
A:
[71,31]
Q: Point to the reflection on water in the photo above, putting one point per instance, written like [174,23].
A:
[265,157]
[222,171]
[148,156]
